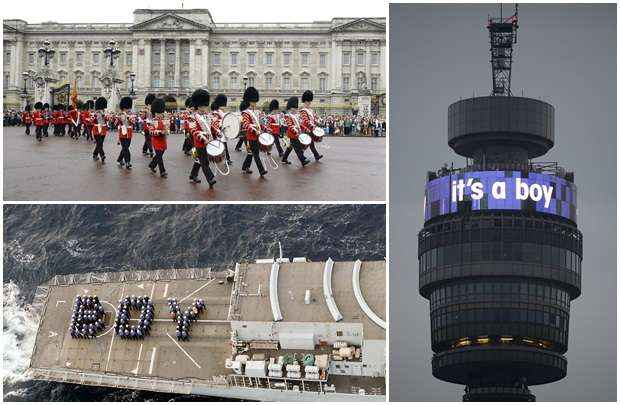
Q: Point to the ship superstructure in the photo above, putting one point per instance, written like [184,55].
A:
[271,330]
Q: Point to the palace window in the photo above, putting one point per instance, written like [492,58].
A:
[251,81]
[79,58]
[63,58]
[346,82]
[156,58]
[374,83]
[169,79]
[185,79]
[215,81]
[322,84]
[268,81]
[234,56]
[6,79]
[305,82]
[234,81]
[155,79]
[286,58]
[185,56]
[251,58]
[305,58]
[322,59]
[286,82]
[31,58]
[96,58]
[374,58]
[360,57]
[346,58]
[128,59]
[269,58]
[7,57]
[216,59]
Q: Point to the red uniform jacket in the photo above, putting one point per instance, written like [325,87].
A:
[102,129]
[274,124]
[73,115]
[158,133]
[186,119]
[26,118]
[308,120]
[292,126]
[46,117]
[37,116]
[216,123]
[56,117]
[250,123]
[127,132]
[86,119]
[196,129]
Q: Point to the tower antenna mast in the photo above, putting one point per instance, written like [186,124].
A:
[502,35]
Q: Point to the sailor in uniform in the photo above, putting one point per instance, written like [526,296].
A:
[275,124]
[159,128]
[292,132]
[125,132]
[200,127]
[100,128]
[250,122]
[308,120]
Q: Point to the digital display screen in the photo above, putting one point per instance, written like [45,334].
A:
[500,190]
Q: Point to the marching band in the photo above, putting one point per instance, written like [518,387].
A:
[207,128]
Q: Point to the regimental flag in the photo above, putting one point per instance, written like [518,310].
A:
[74,94]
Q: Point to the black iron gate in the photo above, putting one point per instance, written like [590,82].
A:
[61,95]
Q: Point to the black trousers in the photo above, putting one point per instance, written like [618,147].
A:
[299,150]
[99,147]
[62,129]
[158,160]
[45,129]
[38,129]
[226,150]
[27,129]
[187,144]
[255,152]
[125,155]
[240,142]
[203,162]
[56,130]
[147,147]
[278,146]
[314,151]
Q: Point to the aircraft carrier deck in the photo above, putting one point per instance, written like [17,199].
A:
[260,310]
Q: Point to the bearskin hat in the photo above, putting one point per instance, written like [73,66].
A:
[243,105]
[251,95]
[149,99]
[188,102]
[46,106]
[28,108]
[38,105]
[158,106]
[221,100]
[274,105]
[90,104]
[126,103]
[101,103]
[200,98]
[71,107]
[214,106]
[292,102]
[307,96]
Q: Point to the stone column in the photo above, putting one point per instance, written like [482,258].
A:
[146,63]
[335,69]
[368,60]
[192,72]
[19,63]
[134,64]
[162,62]
[177,63]
[205,64]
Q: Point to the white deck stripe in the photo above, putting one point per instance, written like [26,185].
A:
[183,350]
[107,363]
[152,360]
[357,291]
[327,290]
[166,291]
[152,291]
[194,292]
[138,363]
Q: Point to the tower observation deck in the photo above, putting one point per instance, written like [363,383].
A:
[500,252]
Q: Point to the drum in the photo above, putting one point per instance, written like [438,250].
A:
[265,140]
[231,123]
[317,134]
[215,151]
[305,140]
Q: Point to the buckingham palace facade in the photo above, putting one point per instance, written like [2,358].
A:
[174,51]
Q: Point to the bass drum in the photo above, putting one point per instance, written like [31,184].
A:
[305,140]
[231,124]
[265,140]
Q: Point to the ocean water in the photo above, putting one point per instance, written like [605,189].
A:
[41,241]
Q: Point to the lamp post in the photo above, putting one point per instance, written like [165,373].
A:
[24,95]
[132,77]
[44,76]
[245,83]
[108,78]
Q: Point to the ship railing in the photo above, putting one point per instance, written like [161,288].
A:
[132,275]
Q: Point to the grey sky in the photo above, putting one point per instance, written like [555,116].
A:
[565,54]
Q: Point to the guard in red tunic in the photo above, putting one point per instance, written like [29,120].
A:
[159,128]
[55,122]
[147,148]
[217,116]
[88,119]
[125,132]
[73,118]
[308,120]
[100,128]
[27,118]
[187,143]
[47,119]
[292,132]
[250,122]
[200,127]
[37,118]
[275,124]
[63,120]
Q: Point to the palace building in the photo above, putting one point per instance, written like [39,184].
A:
[171,52]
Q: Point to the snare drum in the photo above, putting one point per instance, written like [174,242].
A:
[231,123]
[305,140]
[265,140]
[317,134]
[215,151]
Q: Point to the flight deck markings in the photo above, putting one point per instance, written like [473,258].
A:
[153,291]
[166,291]
[183,350]
[111,327]
[194,292]
[60,302]
[152,360]
[53,334]
[138,364]
[112,341]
